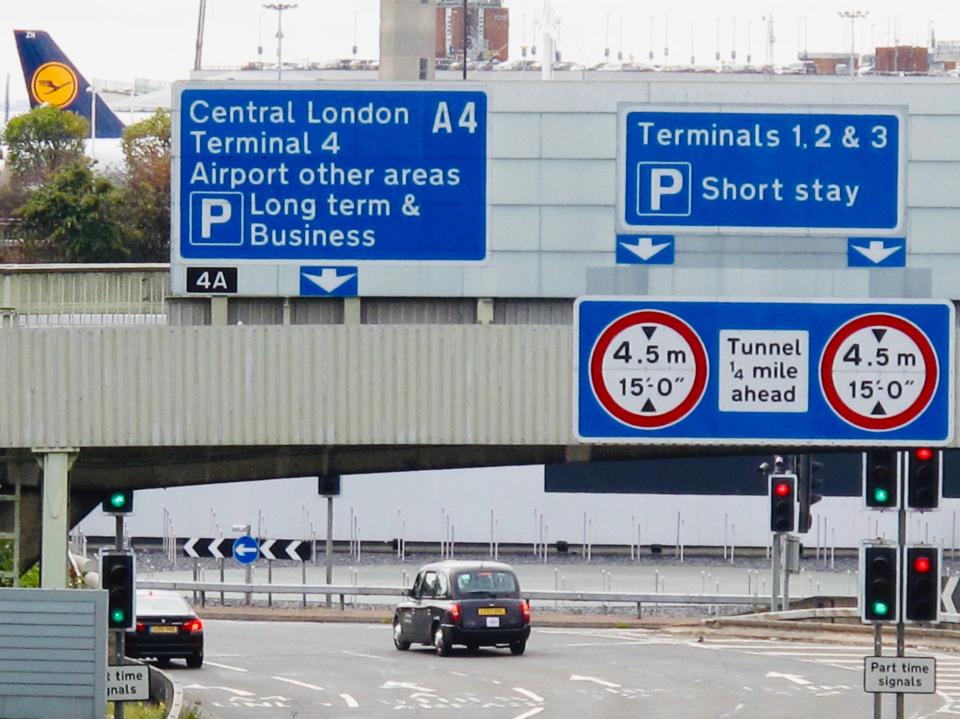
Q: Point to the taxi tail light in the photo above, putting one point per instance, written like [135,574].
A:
[525,611]
[194,626]
[141,627]
[454,612]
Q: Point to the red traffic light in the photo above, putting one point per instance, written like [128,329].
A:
[781,489]
[922,565]
[924,454]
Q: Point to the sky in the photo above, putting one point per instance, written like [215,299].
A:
[127,39]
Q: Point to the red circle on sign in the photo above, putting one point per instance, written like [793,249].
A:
[931,377]
[700,366]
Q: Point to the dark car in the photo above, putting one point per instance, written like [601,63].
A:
[471,603]
[167,628]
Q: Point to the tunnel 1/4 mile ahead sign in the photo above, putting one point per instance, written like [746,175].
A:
[663,371]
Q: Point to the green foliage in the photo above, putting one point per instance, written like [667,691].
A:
[72,218]
[30,579]
[42,142]
[146,193]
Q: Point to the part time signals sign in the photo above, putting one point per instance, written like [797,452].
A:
[789,171]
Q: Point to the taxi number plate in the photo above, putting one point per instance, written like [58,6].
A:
[492,611]
[163,630]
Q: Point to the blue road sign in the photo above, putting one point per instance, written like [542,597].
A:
[330,175]
[645,249]
[659,371]
[800,172]
[246,549]
[329,281]
[870,252]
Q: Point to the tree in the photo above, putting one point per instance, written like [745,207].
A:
[72,218]
[146,196]
[42,142]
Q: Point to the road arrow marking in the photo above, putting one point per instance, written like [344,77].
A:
[531,713]
[406,685]
[876,251]
[529,694]
[789,677]
[299,683]
[595,680]
[237,692]
[328,280]
[351,702]
[645,248]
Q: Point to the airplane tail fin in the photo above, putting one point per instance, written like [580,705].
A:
[52,79]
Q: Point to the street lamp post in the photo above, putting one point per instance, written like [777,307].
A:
[852,16]
[93,121]
[280,7]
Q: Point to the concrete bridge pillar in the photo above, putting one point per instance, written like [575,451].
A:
[55,464]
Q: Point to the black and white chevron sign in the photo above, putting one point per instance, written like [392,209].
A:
[295,549]
[298,550]
[197,547]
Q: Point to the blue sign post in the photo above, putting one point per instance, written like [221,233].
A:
[246,549]
[797,372]
[794,172]
[318,176]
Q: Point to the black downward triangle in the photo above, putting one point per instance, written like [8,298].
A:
[878,333]
[648,330]
[648,407]
[878,410]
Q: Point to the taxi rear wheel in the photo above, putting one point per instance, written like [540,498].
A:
[440,642]
[518,648]
[398,641]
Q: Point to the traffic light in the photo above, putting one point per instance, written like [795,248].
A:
[809,486]
[881,479]
[329,485]
[783,502]
[921,584]
[879,569]
[118,577]
[924,469]
[119,501]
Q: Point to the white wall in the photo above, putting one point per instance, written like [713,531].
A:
[423,499]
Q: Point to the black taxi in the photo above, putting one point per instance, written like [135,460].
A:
[460,602]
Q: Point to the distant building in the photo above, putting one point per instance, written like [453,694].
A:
[488,30]
[903,58]
[828,63]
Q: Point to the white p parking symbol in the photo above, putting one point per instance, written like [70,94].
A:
[664,188]
[213,211]
[664,181]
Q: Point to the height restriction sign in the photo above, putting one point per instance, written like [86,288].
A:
[663,371]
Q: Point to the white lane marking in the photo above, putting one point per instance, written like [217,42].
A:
[736,710]
[529,694]
[237,692]
[365,656]
[531,713]
[406,685]
[297,683]
[459,674]
[796,679]
[351,702]
[595,680]
[227,667]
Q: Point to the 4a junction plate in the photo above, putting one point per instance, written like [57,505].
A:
[662,371]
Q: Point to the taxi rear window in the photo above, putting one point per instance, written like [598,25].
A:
[484,581]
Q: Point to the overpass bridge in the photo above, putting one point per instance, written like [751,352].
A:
[111,380]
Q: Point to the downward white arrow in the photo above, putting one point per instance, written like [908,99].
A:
[328,279]
[645,247]
[789,677]
[595,680]
[876,251]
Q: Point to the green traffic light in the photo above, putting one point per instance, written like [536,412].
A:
[881,495]
[118,500]
[880,609]
[118,616]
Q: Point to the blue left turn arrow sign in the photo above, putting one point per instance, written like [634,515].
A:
[246,549]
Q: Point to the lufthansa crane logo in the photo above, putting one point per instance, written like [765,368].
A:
[55,84]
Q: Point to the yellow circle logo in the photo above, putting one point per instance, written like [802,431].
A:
[55,84]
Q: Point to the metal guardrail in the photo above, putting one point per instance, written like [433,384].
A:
[349,590]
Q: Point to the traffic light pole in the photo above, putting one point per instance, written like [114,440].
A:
[775,552]
[119,634]
[878,652]
[901,629]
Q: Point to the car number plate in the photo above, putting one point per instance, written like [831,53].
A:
[492,611]
[163,630]
[493,621]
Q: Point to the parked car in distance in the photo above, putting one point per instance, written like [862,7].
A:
[460,602]
[167,628]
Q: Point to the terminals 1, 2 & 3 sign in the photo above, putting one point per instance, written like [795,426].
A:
[793,170]
[662,371]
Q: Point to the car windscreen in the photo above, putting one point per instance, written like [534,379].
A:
[485,582]
[160,604]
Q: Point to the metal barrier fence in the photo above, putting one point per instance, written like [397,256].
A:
[347,590]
